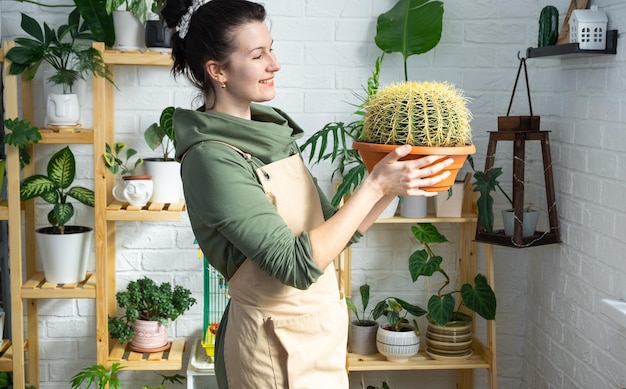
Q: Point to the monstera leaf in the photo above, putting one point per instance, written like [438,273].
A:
[410,27]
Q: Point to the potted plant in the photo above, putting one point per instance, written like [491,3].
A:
[362,339]
[129,19]
[484,184]
[71,62]
[165,171]
[402,113]
[449,329]
[136,189]
[148,309]
[63,248]
[398,340]
[158,34]
[22,135]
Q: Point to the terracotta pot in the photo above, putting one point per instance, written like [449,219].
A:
[372,153]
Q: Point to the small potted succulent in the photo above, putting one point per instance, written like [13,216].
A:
[148,310]
[449,329]
[63,248]
[136,189]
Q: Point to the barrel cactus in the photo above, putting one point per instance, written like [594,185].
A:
[419,114]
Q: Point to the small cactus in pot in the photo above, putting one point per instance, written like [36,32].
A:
[430,116]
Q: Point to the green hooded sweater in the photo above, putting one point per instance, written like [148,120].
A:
[230,215]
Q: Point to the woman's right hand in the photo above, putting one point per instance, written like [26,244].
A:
[394,177]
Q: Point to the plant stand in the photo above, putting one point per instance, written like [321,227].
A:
[519,147]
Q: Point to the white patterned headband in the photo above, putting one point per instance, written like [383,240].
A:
[185,21]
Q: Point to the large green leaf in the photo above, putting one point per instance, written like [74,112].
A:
[35,186]
[485,183]
[84,195]
[166,122]
[99,21]
[427,233]
[62,213]
[421,264]
[481,298]
[410,27]
[62,168]
[441,308]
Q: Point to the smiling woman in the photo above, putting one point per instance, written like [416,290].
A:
[270,230]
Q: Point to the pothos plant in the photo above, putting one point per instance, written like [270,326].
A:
[442,306]
[143,299]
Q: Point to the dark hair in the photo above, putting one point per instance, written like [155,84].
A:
[210,35]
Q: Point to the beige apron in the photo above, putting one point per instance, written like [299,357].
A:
[279,336]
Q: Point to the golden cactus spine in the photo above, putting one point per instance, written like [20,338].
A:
[419,114]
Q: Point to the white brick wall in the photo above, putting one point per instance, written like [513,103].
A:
[550,333]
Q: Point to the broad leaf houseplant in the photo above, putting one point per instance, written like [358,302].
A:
[63,248]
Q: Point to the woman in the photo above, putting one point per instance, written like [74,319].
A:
[256,212]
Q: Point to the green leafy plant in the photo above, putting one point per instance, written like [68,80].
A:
[410,27]
[115,163]
[71,61]
[162,134]
[98,375]
[22,135]
[364,291]
[396,311]
[55,188]
[138,8]
[157,6]
[479,298]
[143,299]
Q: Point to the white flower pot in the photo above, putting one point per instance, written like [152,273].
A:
[63,110]
[130,34]
[390,210]
[167,184]
[64,256]
[397,346]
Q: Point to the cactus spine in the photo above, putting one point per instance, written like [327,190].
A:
[419,114]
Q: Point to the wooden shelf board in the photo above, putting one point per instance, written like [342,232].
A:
[136,58]
[421,361]
[499,238]
[171,359]
[79,136]
[466,218]
[4,209]
[6,356]
[120,211]
[36,287]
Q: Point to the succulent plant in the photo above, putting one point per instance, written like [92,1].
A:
[419,114]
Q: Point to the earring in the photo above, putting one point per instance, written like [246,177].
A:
[223,85]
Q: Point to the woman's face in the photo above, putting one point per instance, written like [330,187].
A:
[250,74]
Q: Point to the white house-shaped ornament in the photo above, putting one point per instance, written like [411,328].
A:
[587,27]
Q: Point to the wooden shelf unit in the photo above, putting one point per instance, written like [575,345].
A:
[484,354]
[27,284]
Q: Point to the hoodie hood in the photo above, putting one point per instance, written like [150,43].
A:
[268,135]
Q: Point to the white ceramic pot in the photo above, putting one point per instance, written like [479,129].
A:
[135,190]
[529,222]
[64,256]
[362,339]
[149,335]
[390,210]
[62,110]
[414,207]
[168,186]
[130,34]
[397,346]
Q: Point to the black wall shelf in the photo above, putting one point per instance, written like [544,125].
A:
[572,49]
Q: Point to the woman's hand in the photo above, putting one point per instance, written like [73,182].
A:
[405,178]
